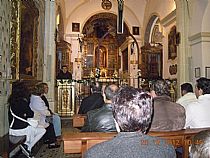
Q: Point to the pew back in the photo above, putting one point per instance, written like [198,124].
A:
[80,142]
[78,120]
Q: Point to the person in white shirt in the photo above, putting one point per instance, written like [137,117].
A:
[188,96]
[40,113]
[197,113]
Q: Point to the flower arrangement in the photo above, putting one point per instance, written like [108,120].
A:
[98,73]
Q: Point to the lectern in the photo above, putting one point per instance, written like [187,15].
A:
[66,97]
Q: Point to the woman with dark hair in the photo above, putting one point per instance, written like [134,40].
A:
[19,106]
[40,113]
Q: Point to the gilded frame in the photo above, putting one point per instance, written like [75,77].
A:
[15,38]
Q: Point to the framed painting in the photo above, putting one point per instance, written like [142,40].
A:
[207,72]
[172,44]
[197,72]
[135,30]
[75,27]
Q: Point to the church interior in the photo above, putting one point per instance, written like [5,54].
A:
[128,42]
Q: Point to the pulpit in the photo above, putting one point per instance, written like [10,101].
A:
[66,97]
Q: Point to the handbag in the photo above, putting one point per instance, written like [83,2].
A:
[31,121]
[49,119]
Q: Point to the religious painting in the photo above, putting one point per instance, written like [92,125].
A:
[172,43]
[28,38]
[135,30]
[90,48]
[100,57]
[88,61]
[75,27]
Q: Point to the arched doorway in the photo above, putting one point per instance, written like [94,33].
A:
[151,53]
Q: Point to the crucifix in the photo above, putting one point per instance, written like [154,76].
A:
[120,17]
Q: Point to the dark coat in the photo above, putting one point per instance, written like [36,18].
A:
[20,108]
[94,101]
[66,75]
[100,120]
[168,115]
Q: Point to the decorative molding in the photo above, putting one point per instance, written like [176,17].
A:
[15,38]
[199,37]
[169,19]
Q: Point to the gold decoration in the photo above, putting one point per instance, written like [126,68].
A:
[15,38]
[106,4]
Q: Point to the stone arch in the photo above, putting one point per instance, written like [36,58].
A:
[149,28]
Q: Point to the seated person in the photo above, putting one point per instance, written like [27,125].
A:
[56,120]
[94,101]
[132,111]
[187,95]
[101,120]
[168,116]
[200,147]
[64,73]
[19,106]
[40,113]
[197,113]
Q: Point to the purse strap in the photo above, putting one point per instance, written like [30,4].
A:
[16,117]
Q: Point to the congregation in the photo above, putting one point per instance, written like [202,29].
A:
[165,116]
[131,112]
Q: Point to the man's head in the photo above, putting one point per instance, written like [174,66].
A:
[96,87]
[109,92]
[201,145]
[186,88]
[64,68]
[160,87]
[132,109]
[202,86]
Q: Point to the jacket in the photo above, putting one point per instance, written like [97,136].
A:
[100,120]
[94,101]
[132,145]
[168,115]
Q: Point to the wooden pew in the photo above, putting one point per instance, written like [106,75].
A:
[78,120]
[81,141]
[8,143]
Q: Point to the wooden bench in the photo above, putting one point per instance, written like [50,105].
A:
[80,142]
[79,120]
[8,143]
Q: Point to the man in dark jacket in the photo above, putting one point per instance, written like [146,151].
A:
[168,115]
[94,101]
[64,73]
[101,120]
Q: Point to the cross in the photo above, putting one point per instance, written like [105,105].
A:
[120,16]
